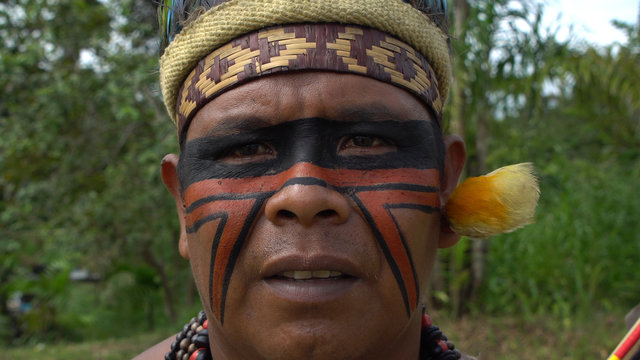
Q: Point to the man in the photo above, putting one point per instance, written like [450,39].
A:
[311,176]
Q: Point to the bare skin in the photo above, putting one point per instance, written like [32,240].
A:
[370,310]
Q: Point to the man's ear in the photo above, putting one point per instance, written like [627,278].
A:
[455,155]
[171,181]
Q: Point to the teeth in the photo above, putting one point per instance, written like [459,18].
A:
[323,274]
[305,274]
[301,275]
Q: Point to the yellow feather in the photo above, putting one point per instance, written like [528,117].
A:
[501,201]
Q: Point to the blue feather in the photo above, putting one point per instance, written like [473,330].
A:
[173,13]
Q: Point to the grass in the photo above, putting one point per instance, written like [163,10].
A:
[540,338]
[490,338]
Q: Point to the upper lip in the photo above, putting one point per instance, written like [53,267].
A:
[309,262]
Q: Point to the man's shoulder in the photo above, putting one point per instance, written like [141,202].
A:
[157,351]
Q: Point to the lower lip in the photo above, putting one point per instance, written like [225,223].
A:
[310,291]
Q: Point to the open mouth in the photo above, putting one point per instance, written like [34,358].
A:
[311,278]
[310,286]
[311,275]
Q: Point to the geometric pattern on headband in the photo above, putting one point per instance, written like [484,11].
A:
[328,47]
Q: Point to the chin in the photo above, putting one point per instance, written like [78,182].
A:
[314,339]
[342,329]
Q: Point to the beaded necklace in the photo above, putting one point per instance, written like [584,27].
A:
[192,343]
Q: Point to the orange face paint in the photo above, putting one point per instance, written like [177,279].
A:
[307,152]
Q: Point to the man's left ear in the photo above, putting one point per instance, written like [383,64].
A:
[171,181]
[455,155]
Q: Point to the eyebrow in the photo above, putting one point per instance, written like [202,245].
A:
[235,125]
[372,112]
[362,112]
[369,112]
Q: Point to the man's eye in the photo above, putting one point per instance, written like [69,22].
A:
[365,141]
[248,152]
[365,145]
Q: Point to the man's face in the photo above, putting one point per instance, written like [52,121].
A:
[311,213]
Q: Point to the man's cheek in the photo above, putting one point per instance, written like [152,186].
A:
[219,222]
[200,258]
[391,193]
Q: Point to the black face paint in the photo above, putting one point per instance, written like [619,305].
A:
[418,145]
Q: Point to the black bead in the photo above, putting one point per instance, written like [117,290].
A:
[201,339]
[170,356]
[175,345]
[201,317]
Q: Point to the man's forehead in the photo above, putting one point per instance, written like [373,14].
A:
[285,97]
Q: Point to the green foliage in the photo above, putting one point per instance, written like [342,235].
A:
[83,133]
[576,258]
[573,110]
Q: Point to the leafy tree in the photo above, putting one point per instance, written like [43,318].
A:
[83,131]
[502,59]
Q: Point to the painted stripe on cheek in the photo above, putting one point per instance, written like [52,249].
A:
[376,206]
[236,218]
[378,192]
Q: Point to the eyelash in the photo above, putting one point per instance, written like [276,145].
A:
[375,141]
[247,151]
[349,144]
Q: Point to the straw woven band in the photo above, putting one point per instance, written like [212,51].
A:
[326,47]
[227,21]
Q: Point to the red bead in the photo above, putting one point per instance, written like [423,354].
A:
[443,345]
[205,325]
[194,356]
[426,321]
[201,353]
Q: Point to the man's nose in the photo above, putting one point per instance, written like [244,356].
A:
[306,198]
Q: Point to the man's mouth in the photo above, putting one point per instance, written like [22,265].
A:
[310,275]
[310,279]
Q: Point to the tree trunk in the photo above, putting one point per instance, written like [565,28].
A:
[459,116]
[458,97]
[480,247]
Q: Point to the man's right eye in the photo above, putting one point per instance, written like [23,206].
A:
[248,153]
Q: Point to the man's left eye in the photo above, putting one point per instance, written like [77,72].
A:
[365,145]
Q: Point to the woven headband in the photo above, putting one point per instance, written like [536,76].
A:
[227,21]
[327,47]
